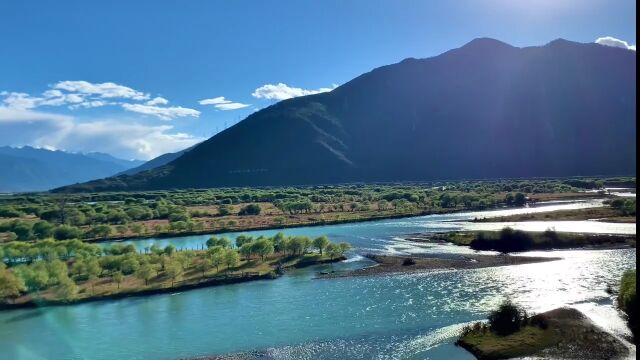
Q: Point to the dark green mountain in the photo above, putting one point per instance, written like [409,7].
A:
[484,110]
[31,169]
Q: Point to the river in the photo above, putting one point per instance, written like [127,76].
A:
[414,316]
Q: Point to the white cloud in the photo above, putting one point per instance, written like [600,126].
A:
[282,91]
[104,90]
[221,103]
[157,101]
[21,101]
[125,140]
[611,41]
[164,113]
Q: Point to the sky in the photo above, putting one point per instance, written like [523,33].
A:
[137,79]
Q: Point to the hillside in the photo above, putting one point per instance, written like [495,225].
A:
[484,110]
[155,162]
[31,169]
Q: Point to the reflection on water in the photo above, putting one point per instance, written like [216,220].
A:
[411,316]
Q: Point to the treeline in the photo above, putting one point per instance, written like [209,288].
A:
[63,266]
[509,240]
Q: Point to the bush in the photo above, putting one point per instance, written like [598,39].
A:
[408,262]
[507,319]
[508,240]
[251,209]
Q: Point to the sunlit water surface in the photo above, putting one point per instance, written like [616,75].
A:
[414,316]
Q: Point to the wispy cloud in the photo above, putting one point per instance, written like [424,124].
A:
[164,113]
[104,90]
[611,41]
[221,103]
[84,95]
[282,91]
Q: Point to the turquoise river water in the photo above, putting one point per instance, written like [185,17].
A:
[414,316]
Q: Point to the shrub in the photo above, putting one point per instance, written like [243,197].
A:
[507,319]
[408,262]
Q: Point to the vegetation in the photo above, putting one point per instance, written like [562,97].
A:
[27,217]
[627,300]
[560,333]
[69,270]
[508,240]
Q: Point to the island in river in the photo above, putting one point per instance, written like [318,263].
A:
[69,272]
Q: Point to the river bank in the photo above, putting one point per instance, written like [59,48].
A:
[266,271]
[605,214]
[520,241]
[393,265]
[267,221]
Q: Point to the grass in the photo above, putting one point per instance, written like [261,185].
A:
[529,340]
[567,333]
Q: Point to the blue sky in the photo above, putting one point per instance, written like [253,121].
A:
[140,78]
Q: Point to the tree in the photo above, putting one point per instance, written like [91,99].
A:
[145,272]
[117,278]
[246,250]
[169,249]
[93,269]
[174,271]
[66,289]
[43,229]
[333,250]
[64,232]
[204,265]
[23,230]
[10,285]
[231,258]
[321,243]
[129,265]
[262,247]
[217,259]
[344,246]
[216,241]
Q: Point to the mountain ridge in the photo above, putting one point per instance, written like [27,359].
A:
[483,110]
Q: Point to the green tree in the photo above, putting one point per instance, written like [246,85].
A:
[263,248]
[174,271]
[117,277]
[145,272]
[66,289]
[204,265]
[231,258]
[43,229]
[321,243]
[10,285]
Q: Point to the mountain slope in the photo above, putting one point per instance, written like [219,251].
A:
[156,162]
[31,169]
[484,110]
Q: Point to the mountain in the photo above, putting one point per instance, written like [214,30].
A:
[485,110]
[109,158]
[31,169]
[155,162]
